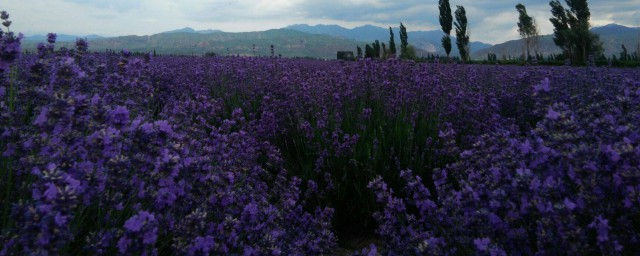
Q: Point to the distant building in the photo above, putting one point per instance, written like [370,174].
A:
[345,55]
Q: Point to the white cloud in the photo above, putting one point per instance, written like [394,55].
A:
[490,21]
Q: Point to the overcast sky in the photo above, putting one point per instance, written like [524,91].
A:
[491,21]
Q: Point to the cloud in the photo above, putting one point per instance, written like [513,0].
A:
[491,21]
[119,5]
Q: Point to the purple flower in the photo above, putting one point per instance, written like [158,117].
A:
[552,114]
[136,222]
[601,225]
[61,220]
[119,116]
[51,192]
[164,126]
[42,118]
[82,45]
[202,244]
[569,204]
[51,38]
[542,86]
[366,113]
[123,244]
[147,128]
[150,236]
[482,244]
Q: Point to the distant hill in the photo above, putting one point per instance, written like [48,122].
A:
[190,30]
[60,38]
[428,41]
[613,36]
[289,43]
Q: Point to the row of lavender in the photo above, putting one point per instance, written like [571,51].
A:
[100,157]
[113,153]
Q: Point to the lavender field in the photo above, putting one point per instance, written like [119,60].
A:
[116,153]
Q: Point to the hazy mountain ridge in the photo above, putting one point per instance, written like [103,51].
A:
[612,36]
[320,41]
[191,30]
[288,43]
[60,38]
[428,41]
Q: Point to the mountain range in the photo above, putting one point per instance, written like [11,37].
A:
[427,41]
[286,42]
[320,41]
[612,36]
[61,38]
[190,30]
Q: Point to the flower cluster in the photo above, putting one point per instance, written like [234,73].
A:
[568,186]
[129,153]
[9,44]
[102,158]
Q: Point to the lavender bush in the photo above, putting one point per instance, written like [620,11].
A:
[567,186]
[93,163]
[124,153]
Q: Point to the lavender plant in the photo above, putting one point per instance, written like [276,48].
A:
[121,153]
[566,187]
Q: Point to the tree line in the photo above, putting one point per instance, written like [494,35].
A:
[571,33]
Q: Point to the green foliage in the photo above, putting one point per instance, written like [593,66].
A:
[571,30]
[624,55]
[345,55]
[446,44]
[385,53]
[446,21]
[527,28]
[525,22]
[289,43]
[368,51]
[462,34]
[411,52]
[392,42]
[404,43]
[386,143]
[376,49]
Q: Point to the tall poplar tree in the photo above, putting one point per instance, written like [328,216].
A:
[446,21]
[385,53]
[368,51]
[392,42]
[462,34]
[571,29]
[404,43]
[527,29]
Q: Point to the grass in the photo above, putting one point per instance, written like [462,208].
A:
[387,143]
[6,164]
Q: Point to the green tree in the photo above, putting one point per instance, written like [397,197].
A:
[411,52]
[368,51]
[571,30]
[404,43]
[385,53]
[392,43]
[376,49]
[359,50]
[462,34]
[446,21]
[527,29]
[624,55]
